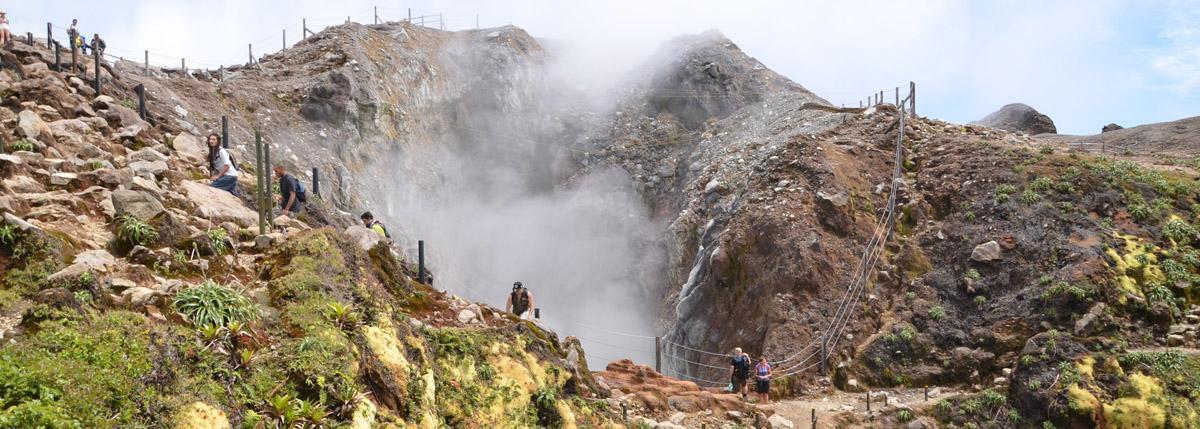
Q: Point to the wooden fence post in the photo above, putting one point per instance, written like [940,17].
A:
[147,71]
[912,97]
[49,35]
[259,186]
[141,92]
[250,51]
[658,354]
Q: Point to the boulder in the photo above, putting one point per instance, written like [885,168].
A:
[466,316]
[1090,323]
[987,252]
[1019,117]
[148,155]
[69,131]
[139,204]
[139,183]
[264,242]
[148,169]
[363,236]
[219,206]
[114,177]
[21,224]
[23,185]
[31,126]
[1111,127]
[190,147]
[328,101]
[779,422]
[90,261]
[63,179]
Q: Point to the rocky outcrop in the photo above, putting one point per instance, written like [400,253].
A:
[328,101]
[1019,117]
[218,205]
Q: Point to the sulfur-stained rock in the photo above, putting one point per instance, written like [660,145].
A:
[199,415]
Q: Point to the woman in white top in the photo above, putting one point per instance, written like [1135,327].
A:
[5,35]
[225,174]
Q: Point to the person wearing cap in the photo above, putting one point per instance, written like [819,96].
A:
[520,301]
[5,35]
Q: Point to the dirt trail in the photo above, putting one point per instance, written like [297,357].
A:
[837,408]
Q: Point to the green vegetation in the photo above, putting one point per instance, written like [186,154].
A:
[1046,150]
[8,234]
[211,304]
[134,231]
[904,416]
[21,145]
[973,274]
[980,301]
[1004,192]
[937,313]
[1041,184]
[217,239]
[1179,231]
[1029,197]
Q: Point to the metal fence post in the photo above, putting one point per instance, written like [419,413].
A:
[409,15]
[225,132]
[183,66]
[897,96]
[250,50]
[421,261]
[814,418]
[658,354]
[147,63]
[316,186]
[912,97]
[284,48]
[141,93]
[49,35]
[376,14]
[270,188]
[260,172]
[57,63]
[74,59]
[824,357]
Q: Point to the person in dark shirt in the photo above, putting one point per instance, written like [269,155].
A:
[290,190]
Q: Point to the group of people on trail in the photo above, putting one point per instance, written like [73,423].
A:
[740,368]
[78,41]
[292,195]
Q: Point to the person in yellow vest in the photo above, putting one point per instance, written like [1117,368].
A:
[369,221]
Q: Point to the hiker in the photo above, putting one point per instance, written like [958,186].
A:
[762,380]
[98,44]
[81,42]
[520,301]
[291,192]
[739,371]
[5,35]
[369,221]
[225,173]
[73,33]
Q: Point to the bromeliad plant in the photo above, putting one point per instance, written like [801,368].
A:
[135,231]
[211,304]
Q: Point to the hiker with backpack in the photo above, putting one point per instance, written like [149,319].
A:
[762,380]
[225,173]
[739,372]
[291,192]
[369,221]
[520,301]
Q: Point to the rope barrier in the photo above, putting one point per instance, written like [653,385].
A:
[615,332]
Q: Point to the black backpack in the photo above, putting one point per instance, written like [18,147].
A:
[741,366]
[298,188]
[520,299]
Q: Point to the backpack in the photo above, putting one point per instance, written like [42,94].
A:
[520,300]
[741,367]
[301,195]
[381,226]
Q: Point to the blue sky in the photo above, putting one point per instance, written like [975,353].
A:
[1084,63]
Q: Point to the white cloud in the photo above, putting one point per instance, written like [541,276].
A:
[1178,63]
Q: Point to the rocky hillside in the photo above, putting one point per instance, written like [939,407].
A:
[134,295]
[1019,117]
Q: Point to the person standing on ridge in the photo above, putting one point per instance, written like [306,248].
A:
[291,192]
[520,301]
[739,371]
[762,380]
[225,174]
[369,221]
[98,44]
[5,34]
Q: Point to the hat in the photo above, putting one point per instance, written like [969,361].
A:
[517,285]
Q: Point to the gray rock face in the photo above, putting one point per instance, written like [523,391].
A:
[987,252]
[1019,117]
[148,169]
[219,206]
[23,185]
[190,147]
[148,155]
[138,204]
[328,101]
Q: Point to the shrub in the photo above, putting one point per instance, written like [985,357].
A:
[973,274]
[1041,184]
[8,234]
[980,300]
[970,215]
[211,304]
[1046,150]
[1179,231]
[21,145]
[217,237]
[937,313]
[904,416]
[1005,189]
[1140,211]
[1064,288]
[1030,197]
[135,231]
[992,398]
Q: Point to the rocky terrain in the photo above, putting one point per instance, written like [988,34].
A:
[1018,117]
[1039,283]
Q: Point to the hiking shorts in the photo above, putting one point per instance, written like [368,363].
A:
[762,386]
[520,310]
[738,384]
